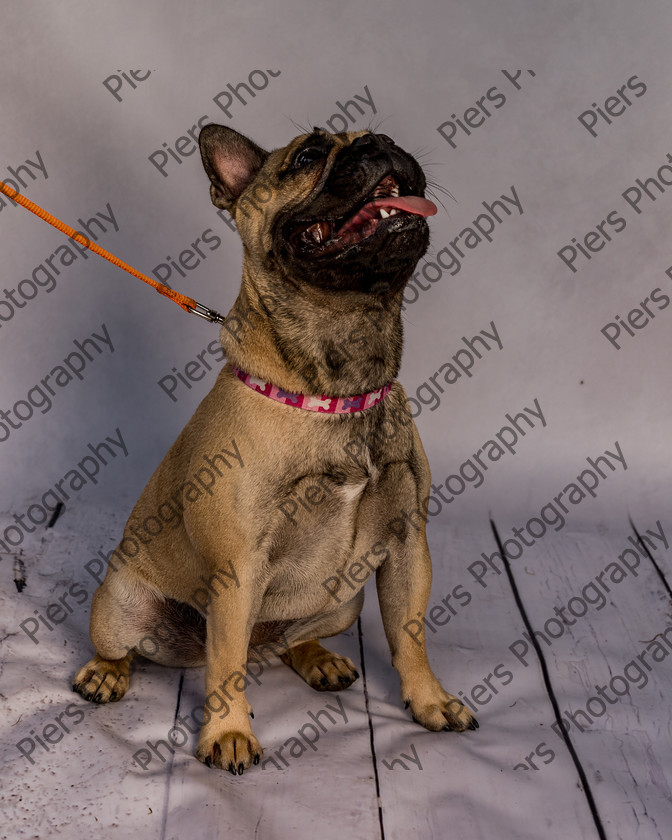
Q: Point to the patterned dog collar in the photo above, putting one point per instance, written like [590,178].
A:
[323,404]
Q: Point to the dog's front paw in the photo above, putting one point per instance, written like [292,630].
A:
[437,710]
[232,751]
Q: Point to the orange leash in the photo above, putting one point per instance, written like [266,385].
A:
[186,303]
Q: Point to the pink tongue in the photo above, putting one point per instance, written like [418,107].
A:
[410,203]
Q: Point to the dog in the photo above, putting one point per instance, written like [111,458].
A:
[318,477]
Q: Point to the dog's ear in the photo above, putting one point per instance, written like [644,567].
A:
[230,160]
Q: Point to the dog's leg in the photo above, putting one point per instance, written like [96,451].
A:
[322,669]
[129,618]
[106,677]
[403,583]
[226,739]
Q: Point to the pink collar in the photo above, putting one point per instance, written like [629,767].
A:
[323,404]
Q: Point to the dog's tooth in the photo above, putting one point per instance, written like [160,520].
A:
[318,232]
[384,213]
[394,211]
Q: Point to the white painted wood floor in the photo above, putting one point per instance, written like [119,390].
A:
[468,786]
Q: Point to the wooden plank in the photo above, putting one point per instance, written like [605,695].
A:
[157,794]
[624,742]
[466,782]
[467,786]
[90,768]
[322,792]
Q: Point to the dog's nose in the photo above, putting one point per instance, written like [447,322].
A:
[363,141]
[367,146]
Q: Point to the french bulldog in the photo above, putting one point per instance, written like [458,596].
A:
[319,478]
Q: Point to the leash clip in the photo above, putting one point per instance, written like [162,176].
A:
[207,314]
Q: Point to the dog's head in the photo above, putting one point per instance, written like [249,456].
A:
[341,212]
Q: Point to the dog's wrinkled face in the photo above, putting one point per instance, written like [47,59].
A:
[342,212]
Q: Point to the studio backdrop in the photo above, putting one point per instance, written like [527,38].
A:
[537,327]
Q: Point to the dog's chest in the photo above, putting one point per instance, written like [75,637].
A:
[330,538]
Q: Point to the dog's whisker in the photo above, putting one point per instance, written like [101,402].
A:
[440,188]
[300,128]
[378,125]
[436,198]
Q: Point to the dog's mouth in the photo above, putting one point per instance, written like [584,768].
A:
[384,208]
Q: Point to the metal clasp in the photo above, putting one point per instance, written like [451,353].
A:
[207,314]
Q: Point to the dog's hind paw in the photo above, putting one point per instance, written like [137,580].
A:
[322,669]
[103,680]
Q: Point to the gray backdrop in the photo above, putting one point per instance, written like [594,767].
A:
[563,107]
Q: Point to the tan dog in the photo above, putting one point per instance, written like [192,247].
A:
[301,506]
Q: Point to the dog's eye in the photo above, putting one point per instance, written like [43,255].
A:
[307,156]
[386,139]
